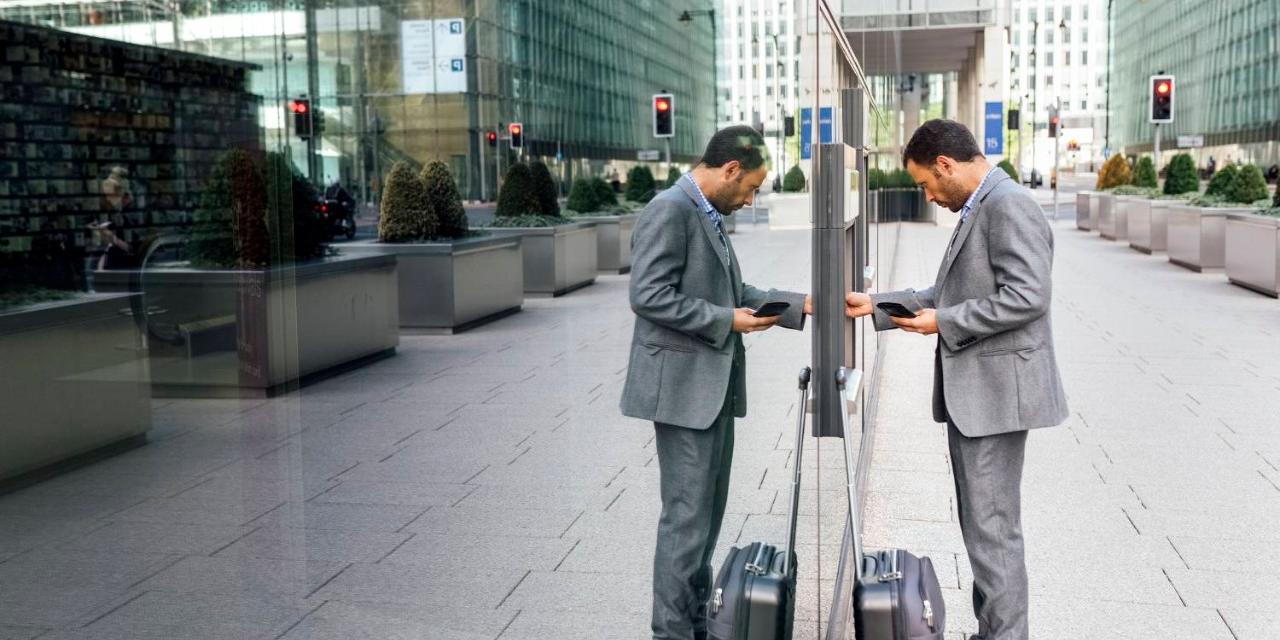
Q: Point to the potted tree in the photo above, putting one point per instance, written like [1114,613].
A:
[560,254]
[1115,174]
[1252,252]
[590,200]
[1129,198]
[790,209]
[1197,229]
[450,278]
[1148,218]
[255,302]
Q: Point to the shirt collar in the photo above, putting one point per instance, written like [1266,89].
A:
[702,198]
[968,204]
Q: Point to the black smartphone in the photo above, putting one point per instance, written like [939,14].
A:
[771,309]
[896,310]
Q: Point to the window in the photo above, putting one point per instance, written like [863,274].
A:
[1017,38]
[1084,35]
[768,72]
[1084,105]
[1048,15]
[1085,10]
[1048,81]
[1067,58]
[1084,57]
[1048,59]
[768,91]
[742,72]
[1034,14]
[1066,12]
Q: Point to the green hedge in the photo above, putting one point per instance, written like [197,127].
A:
[545,190]
[1145,176]
[1007,167]
[1181,177]
[406,214]
[794,181]
[1222,181]
[518,196]
[1249,187]
[640,184]
[444,201]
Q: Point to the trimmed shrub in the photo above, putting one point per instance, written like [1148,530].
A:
[1275,202]
[1181,177]
[1007,167]
[1222,181]
[406,214]
[875,179]
[794,180]
[640,184]
[673,174]
[900,179]
[518,197]
[444,201]
[544,187]
[230,226]
[605,196]
[1145,176]
[296,230]
[1115,172]
[582,196]
[1249,187]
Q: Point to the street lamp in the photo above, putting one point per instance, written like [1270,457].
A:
[687,16]
[777,96]
[1035,88]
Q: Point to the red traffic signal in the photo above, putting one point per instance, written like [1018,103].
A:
[664,115]
[1163,88]
[517,134]
[662,104]
[1162,91]
[299,106]
[492,137]
[301,109]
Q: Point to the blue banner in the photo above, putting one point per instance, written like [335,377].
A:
[993,141]
[806,133]
[824,126]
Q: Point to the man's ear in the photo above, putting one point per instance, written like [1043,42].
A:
[731,170]
[945,165]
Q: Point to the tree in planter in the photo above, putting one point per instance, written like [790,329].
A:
[794,181]
[605,197]
[406,213]
[1249,186]
[230,227]
[900,179]
[544,188]
[1222,182]
[582,196]
[1115,172]
[1007,167]
[443,199]
[673,174]
[1181,177]
[1145,176]
[518,197]
[875,179]
[296,230]
[640,184]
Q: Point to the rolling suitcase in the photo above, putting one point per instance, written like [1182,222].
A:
[896,596]
[753,597]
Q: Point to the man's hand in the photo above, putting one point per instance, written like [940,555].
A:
[857,304]
[808,305]
[744,322]
[925,322]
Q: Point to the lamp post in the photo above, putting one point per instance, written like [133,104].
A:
[779,67]
[687,16]
[1035,87]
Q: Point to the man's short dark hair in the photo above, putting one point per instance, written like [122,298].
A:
[940,138]
[739,142]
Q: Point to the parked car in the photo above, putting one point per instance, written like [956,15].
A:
[1031,177]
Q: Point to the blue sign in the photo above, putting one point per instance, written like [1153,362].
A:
[806,133]
[456,65]
[455,26]
[993,140]
[824,126]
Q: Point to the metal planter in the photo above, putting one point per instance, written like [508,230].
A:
[1124,206]
[286,324]
[1095,209]
[1253,252]
[1197,236]
[559,259]
[1106,215]
[449,287]
[1149,225]
[75,381]
[1083,221]
[790,211]
[613,241]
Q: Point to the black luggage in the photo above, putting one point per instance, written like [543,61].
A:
[896,595]
[753,597]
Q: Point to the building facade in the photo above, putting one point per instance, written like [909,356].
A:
[1225,57]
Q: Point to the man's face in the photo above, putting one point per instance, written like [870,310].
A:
[940,182]
[737,186]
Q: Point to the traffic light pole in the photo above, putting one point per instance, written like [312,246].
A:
[1157,149]
[1057,145]
[482,144]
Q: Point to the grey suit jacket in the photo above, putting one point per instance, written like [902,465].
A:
[995,370]
[683,291]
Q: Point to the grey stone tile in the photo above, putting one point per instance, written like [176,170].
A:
[396,493]
[448,554]
[1238,556]
[420,586]
[533,472]
[1251,625]
[22,533]
[243,577]
[523,497]
[623,596]
[152,537]
[74,507]
[254,489]
[180,510]
[61,567]
[1225,589]
[467,520]
[179,616]
[573,625]
[365,621]
[52,607]
[290,543]
[1245,526]
[19,633]
[341,516]
[1090,619]
[410,470]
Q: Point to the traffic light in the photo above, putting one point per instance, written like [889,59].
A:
[301,109]
[788,126]
[317,122]
[1161,99]
[517,134]
[1053,122]
[492,137]
[664,107]
[1014,119]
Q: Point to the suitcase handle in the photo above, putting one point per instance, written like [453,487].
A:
[793,516]
[847,383]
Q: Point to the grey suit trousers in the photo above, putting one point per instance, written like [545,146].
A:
[988,477]
[694,467]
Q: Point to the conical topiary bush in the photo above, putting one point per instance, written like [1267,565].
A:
[582,196]
[1007,167]
[640,184]
[794,181]
[673,174]
[1115,172]
[544,187]
[1145,176]
[230,225]
[444,200]
[1249,187]
[518,197]
[406,213]
[1181,177]
[1222,182]
[605,197]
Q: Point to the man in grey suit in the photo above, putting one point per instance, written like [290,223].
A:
[995,373]
[687,367]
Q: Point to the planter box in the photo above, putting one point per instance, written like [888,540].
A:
[449,287]
[1253,252]
[613,241]
[1083,221]
[559,259]
[790,211]
[1095,209]
[1149,225]
[255,333]
[1122,210]
[74,381]
[1197,236]
[1106,215]
[903,205]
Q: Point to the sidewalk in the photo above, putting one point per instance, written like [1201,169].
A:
[1152,513]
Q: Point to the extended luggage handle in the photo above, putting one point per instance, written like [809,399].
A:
[802,409]
[847,383]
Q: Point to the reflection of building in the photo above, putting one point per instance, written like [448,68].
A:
[1223,55]
[577,75]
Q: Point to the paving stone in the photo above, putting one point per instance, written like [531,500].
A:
[340,516]
[156,538]
[365,621]
[624,596]
[395,493]
[160,615]
[291,543]
[413,585]
[449,554]
[243,577]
